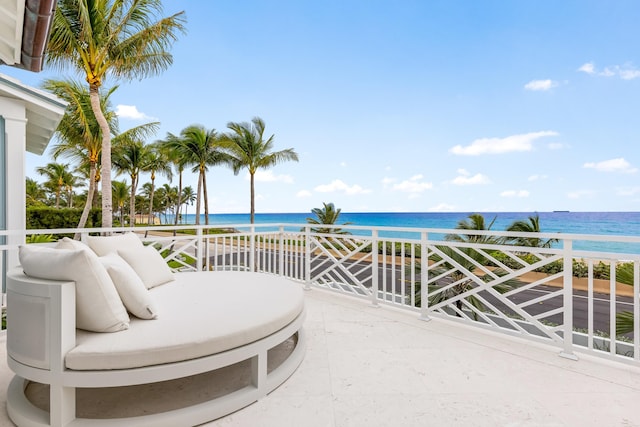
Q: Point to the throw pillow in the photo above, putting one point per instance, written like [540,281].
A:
[98,306]
[134,293]
[148,264]
[102,245]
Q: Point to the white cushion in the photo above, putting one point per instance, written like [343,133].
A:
[67,243]
[202,313]
[133,292]
[148,264]
[98,306]
[103,245]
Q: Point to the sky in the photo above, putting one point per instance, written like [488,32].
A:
[407,106]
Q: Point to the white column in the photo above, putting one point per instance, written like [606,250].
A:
[13,112]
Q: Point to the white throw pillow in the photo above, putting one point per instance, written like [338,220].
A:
[148,264]
[67,243]
[134,293]
[103,245]
[98,306]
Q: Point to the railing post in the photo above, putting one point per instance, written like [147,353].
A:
[424,277]
[281,251]
[307,258]
[567,351]
[252,248]
[199,248]
[374,267]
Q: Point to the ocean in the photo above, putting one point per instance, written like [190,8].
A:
[602,223]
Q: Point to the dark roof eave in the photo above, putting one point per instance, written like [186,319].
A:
[38,16]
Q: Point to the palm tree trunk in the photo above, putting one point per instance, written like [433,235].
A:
[253,199]
[89,202]
[179,202]
[105,163]
[206,200]
[132,200]
[198,198]
[150,219]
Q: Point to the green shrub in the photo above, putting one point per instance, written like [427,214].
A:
[43,218]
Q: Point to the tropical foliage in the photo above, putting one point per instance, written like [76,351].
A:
[249,150]
[122,40]
[326,215]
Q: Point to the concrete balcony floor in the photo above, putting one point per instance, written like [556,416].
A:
[368,366]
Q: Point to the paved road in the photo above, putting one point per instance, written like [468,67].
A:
[601,303]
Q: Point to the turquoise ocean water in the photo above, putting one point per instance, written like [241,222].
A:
[603,223]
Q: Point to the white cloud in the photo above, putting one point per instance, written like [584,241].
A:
[521,142]
[537,177]
[555,146]
[466,179]
[413,185]
[625,72]
[613,165]
[388,181]
[338,186]
[588,68]
[628,191]
[515,193]
[303,193]
[629,74]
[537,85]
[442,207]
[268,176]
[580,194]
[131,112]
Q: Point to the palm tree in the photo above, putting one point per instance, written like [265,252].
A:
[246,144]
[79,135]
[57,175]
[456,263]
[530,226]
[188,197]
[174,157]
[120,196]
[35,194]
[328,214]
[474,222]
[156,162]
[200,148]
[118,38]
[132,157]
[169,201]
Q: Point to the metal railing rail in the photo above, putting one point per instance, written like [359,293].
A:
[530,292]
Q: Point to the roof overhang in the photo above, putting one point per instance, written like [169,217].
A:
[24,32]
[43,111]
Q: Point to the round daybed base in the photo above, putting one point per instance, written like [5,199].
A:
[63,381]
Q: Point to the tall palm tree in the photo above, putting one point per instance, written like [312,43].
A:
[79,136]
[124,39]
[200,148]
[132,157]
[328,214]
[532,225]
[156,162]
[250,150]
[120,196]
[57,175]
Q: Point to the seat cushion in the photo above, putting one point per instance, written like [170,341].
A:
[203,313]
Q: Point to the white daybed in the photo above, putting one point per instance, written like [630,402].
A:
[205,321]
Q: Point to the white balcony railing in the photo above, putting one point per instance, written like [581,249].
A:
[567,297]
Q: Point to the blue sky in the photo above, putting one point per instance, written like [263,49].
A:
[412,106]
